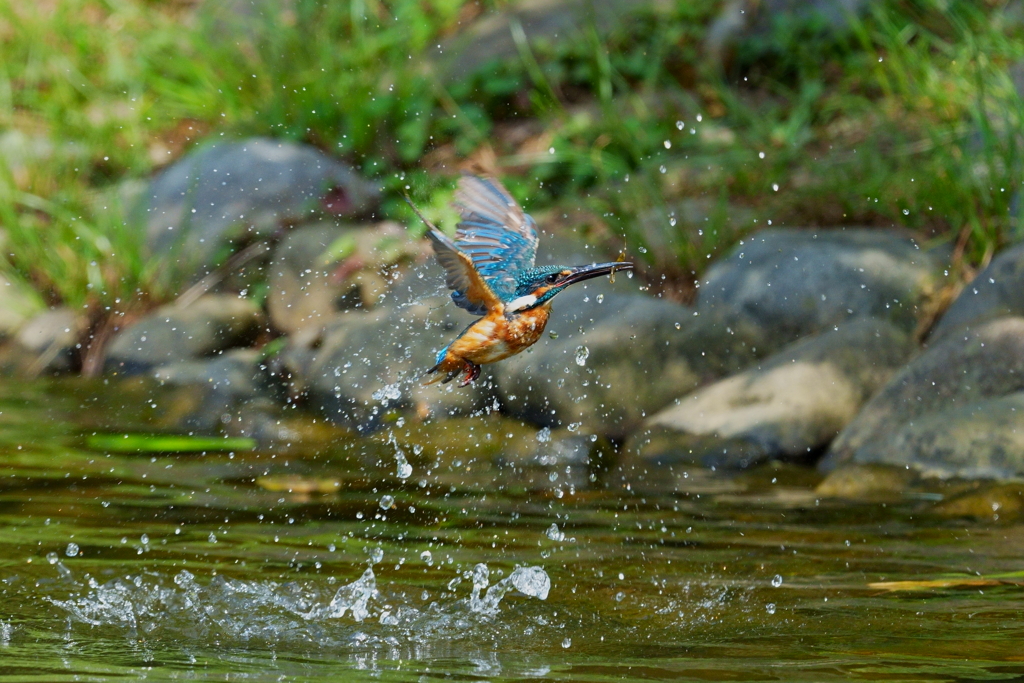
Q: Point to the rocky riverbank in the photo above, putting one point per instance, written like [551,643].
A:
[824,346]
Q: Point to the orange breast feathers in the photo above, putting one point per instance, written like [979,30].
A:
[496,336]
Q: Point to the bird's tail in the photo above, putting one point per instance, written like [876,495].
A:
[432,376]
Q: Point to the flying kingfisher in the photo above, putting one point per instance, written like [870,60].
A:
[489,267]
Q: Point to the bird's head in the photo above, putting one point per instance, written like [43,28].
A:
[538,285]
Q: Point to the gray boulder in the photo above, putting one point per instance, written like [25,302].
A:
[926,401]
[996,292]
[617,359]
[741,20]
[230,190]
[323,268]
[797,282]
[302,291]
[367,365]
[170,334]
[491,37]
[983,440]
[789,405]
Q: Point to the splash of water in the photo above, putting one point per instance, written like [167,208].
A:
[271,611]
[354,597]
[531,581]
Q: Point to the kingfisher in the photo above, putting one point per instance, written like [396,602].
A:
[489,267]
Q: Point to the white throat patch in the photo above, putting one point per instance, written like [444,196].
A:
[520,303]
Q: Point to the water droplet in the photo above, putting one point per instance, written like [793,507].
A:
[663,169]
[427,557]
[403,468]
[906,212]
[680,125]
[211,538]
[553,335]
[544,435]
[531,581]
[620,596]
[52,558]
[376,555]
[777,580]
[668,145]
[679,326]
[574,426]
[386,502]
[600,298]
[71,550]
[555,534]
[770,608]
[760,155]
[582,353]
[775,186]
[144,539]
[567,643]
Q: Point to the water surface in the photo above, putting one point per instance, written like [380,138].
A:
[315,560]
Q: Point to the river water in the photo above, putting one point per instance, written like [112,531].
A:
[315,560]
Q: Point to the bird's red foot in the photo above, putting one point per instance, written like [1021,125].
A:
[472,372]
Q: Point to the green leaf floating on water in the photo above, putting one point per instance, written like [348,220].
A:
[166,443]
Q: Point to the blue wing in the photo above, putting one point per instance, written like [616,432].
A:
[499,238]
[469,289]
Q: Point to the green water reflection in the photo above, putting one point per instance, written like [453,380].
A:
[224,566]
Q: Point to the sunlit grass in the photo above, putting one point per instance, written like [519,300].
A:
[909,118]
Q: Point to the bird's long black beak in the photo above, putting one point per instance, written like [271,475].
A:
[581,273]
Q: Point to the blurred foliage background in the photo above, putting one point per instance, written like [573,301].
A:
[652,132]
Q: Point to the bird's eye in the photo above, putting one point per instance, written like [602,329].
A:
[553,278]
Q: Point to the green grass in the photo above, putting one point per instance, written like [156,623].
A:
[910,118]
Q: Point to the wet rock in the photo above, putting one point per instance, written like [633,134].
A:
[614,360]
[366,365]
[18,303]
[867,482]
[560,457]
[790,404]
[797,282]
[231,190]
[49,341]
[950,410]
[223,382]
[978,440]
[996,292]
[657,447]
[993,502]
[170,334]
[320,269]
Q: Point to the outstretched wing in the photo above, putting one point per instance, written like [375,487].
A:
[494,232]
[469,289]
